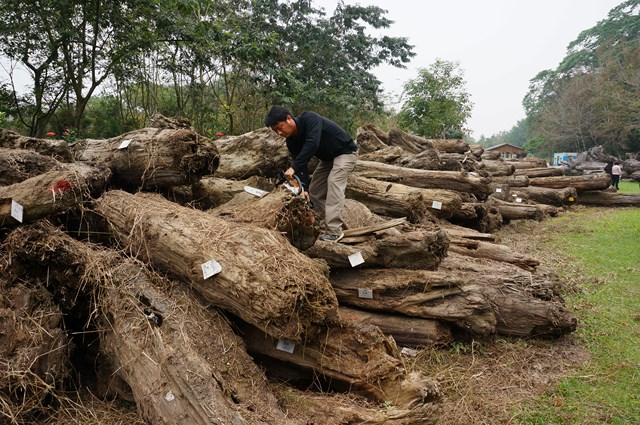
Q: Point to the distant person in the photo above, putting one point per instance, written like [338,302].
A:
[608,167]
[308,135]
[616,172]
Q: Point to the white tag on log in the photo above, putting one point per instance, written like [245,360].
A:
[518,199]
[498,189]
[409,352]
[210,268]
[365,293]
[255,191]
[514,195]
[436,205]
[17,211]
[169,396]
[356,259]
[124,144]
[286,346]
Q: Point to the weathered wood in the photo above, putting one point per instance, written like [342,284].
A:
[380,133]
[498,168]
[258,153]
[58,149]
[212,191]
[544,195]
[449,180]
[427,160]
[529,162]
[365,230]
[397,200]
[511,181]
[454,231]
[539,172]
[408,142]
[264,280]
[517,211]
[368,141]
[492,251]
[154,158]
[156,336]
[406,331]
[357,357]
[450,145]
[17,165]
[417,293]
[609,199]
[581,183]
[57,191]
[422,247]
[388,155]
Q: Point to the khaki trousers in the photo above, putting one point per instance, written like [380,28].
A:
[326,190]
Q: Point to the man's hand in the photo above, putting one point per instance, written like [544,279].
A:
[290,172]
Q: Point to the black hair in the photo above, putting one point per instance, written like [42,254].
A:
[276,115]
[616,163]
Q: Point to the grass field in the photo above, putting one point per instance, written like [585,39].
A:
[629,187]
[600,250]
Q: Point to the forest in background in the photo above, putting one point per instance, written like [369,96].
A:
[98,69]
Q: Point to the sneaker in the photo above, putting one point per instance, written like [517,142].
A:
[331,238]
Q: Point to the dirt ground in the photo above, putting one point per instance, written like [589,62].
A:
[484,382]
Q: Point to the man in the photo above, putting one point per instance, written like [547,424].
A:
[308,135]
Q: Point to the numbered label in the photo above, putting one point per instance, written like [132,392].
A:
[518,199]
[17,211]
[498,190]
[286,346]
[210,268]
[365,293]
[356,259]
[255,191]
[436,205]
[124,144]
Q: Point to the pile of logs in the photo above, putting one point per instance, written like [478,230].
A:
[165,269]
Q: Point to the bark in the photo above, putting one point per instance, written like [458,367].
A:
[156,336]
[368,142]
[377,131]
[417,248]
[57,191]
[264,280]
[449,180]
[279,210]
[417,293]
[582,183]
[17,165]
[539,172]
[258,153]
[609,199]
[517,211]
[454,231]
[406,331]
[428,160]
[450,145]
[397,200]
[57,149]
[498,168]
[211,192]
[480,216]
[492,251]
[388,155]
[490,155]
[528,163]
[154,159]
[408,142]
[476,150]
[511,181]
[543,195]
[356,357]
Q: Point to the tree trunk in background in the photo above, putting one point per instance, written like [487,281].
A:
[58,149]
[582,183]
[17,165]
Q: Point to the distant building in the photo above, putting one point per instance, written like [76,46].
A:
[508,151]
[560,158]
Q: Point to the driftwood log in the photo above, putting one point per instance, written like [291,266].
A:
[387,155]
[408,142]
[152,158]
[539,172]
[450,145]
[263,279]
[598,181]
[609,199]
[544,195]
[492,251]
[58,149]
[17,165]
[517,210]
[57,191]
[498,168]
[180,360]
[511,181]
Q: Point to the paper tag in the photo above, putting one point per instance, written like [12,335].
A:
[124,144]
[518,199]
[514,195]
[16,211]
[255,191]
[437,205]
[169,396]
[286,346]
[356,259]
[365,293]
[498,189]
[210,268]
[409,352]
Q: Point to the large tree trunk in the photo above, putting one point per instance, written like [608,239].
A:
[543,195]
[498,168]
[406,331]
[539,172]
[510,181]
[598,181]
[609,199]
[17,165]
[492,251]
[181,360]
[258,153]
[420,248]
[388,155]
[58,149]
[153,159]
[57,191]
[417,293]
[450,180]
[211,192]
[408,142]
[450,145]
[397,200]
[264,280]
[352,356]
[517,211]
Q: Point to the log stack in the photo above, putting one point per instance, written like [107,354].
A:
[193,310]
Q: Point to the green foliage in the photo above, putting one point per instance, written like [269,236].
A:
[517,136]
[437,104]
[602,245]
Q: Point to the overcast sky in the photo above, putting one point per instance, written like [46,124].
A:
[499,44]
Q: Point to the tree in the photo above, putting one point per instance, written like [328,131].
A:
[437,104]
